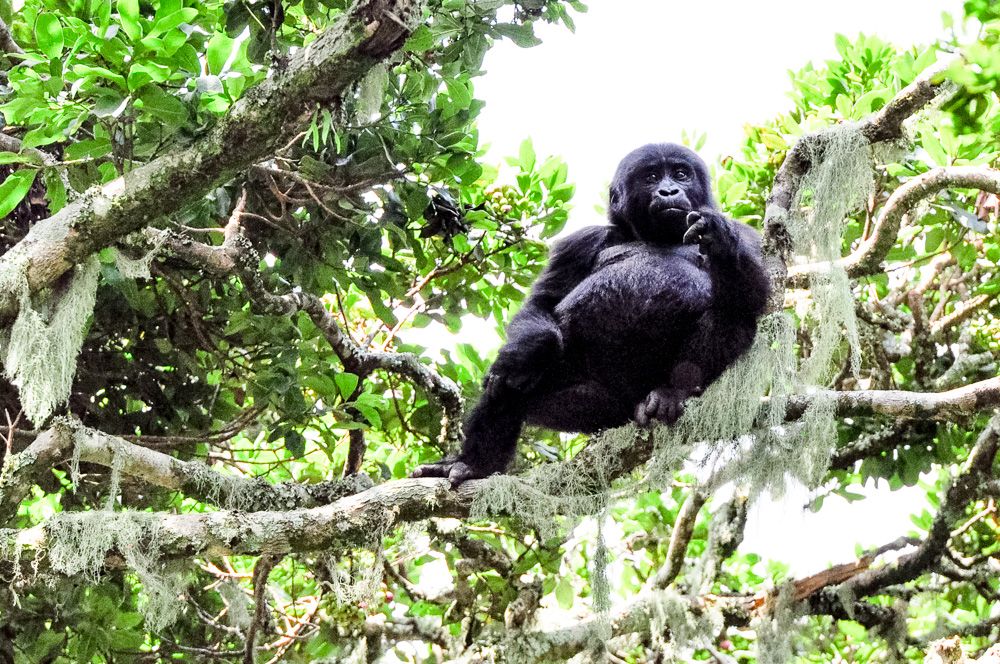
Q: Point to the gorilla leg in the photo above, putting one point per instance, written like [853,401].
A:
[495,423]
[491,432]
[586,407]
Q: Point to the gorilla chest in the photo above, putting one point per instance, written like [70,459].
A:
[637,297]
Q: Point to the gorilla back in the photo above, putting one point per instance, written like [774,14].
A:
[627,321]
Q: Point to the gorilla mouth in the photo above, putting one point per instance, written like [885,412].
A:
[661,209]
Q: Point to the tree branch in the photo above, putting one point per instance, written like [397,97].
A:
[239,258]
[966,400]
[978,469]
[7,43]
[885,125]
[368,32]
[867,258]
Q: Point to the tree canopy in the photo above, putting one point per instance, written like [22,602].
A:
[221,224]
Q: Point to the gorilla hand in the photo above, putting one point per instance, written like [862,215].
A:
[712,232]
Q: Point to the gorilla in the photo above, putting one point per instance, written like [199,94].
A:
[627,320]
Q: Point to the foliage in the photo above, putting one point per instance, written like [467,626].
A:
[384,206]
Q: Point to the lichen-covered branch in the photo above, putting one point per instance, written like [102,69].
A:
[680,537]
[970,483]
[961,401]
[368,32]
[196,480]
[867,258]
[356,520]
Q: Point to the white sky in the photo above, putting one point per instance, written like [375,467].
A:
[640,71]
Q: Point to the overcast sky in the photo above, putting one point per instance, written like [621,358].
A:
[640,71]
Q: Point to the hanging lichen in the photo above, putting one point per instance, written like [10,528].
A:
[553,496]
[839,182]
[355,575]
[79,543]
[238,604]
[371,93]
[138,268]
[676,630]
[776,633]
[40,350]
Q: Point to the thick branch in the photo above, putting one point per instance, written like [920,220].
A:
[254,127]
[867,258]
[196,480]
[7,43]
[966,400]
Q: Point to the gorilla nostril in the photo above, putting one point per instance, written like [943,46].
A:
[667,193]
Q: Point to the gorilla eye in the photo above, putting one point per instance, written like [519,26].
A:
[652,176]
[682,173]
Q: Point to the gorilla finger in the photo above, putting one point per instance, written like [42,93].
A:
[693,218]
[640,416]
[461,472]
[439,469]
[693,234]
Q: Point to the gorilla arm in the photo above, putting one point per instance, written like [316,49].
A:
[534,342]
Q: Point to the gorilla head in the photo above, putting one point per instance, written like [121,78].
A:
[654,188]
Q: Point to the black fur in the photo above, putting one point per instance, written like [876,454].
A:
[627,320]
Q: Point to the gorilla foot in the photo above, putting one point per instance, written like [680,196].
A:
[664,404]
[452,469]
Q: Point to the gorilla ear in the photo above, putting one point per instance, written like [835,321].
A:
[616,203]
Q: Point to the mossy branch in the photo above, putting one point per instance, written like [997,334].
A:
[367,33]
[867,258]
[192,478]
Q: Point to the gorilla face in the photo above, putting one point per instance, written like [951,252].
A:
[653,190]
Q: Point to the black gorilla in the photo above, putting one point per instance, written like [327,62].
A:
[627,320]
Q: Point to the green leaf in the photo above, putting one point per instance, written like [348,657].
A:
[55,190]
[142,73]
[14,189]
[220,47]
[163,106]
[15,158]
[526,155]
[295,443]
[49,35]
[459,93]
[171,21]
[128,14]
[88,149]
[933,146]
[565,594]
[421,40]
[522,35]
[346,383]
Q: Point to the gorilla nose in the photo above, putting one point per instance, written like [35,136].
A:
[669,192]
